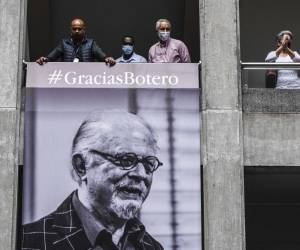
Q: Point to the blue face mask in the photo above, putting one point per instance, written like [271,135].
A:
[127,49]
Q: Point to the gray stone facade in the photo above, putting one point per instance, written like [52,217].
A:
[239,128]
[12,25]
[222,130]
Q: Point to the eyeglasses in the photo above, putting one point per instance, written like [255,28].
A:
[127,161]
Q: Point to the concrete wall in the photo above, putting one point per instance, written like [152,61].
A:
[271,120]
[222,141]
[11,49]
[261,130]
[271,123]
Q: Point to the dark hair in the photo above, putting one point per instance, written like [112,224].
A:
[129,37]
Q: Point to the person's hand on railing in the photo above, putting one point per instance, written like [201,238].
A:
[42,60]
[110,61]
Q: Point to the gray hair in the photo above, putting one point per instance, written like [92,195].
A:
[104,128]
[162,20]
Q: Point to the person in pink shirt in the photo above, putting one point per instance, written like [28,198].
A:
[167,49]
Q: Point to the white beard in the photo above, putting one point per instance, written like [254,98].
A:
[125,209]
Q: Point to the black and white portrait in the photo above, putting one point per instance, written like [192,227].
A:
[112,169]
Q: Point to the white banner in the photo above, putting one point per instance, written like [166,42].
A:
[99,75]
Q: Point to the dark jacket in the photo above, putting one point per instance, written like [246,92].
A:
[62,230]
[86,51]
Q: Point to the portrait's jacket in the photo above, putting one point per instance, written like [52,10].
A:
[63,230]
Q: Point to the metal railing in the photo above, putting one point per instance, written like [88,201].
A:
[260,75]
[269,66]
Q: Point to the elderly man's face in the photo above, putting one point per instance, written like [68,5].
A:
[112,189]
[164,27]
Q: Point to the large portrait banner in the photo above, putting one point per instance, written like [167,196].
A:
[112,157]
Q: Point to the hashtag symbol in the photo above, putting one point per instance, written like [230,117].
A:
[55,77]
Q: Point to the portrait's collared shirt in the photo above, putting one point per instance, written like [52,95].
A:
[100,238]
[135,58]
[64,230]
[173,51]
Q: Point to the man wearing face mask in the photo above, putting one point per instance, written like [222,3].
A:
[128,54]
[167,49]
[77,48]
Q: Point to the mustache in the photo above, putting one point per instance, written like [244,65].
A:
[133,186]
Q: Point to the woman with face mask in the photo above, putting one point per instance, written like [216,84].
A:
[286,79]
[128,54]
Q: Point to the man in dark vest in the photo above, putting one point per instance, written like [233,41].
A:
[77,48]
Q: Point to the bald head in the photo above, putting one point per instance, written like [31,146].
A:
[77,30]
[113,132]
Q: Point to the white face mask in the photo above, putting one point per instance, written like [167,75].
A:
[163,35]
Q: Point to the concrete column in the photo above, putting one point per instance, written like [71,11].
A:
[12,13]
[222,133]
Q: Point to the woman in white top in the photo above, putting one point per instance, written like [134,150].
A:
[286,79]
